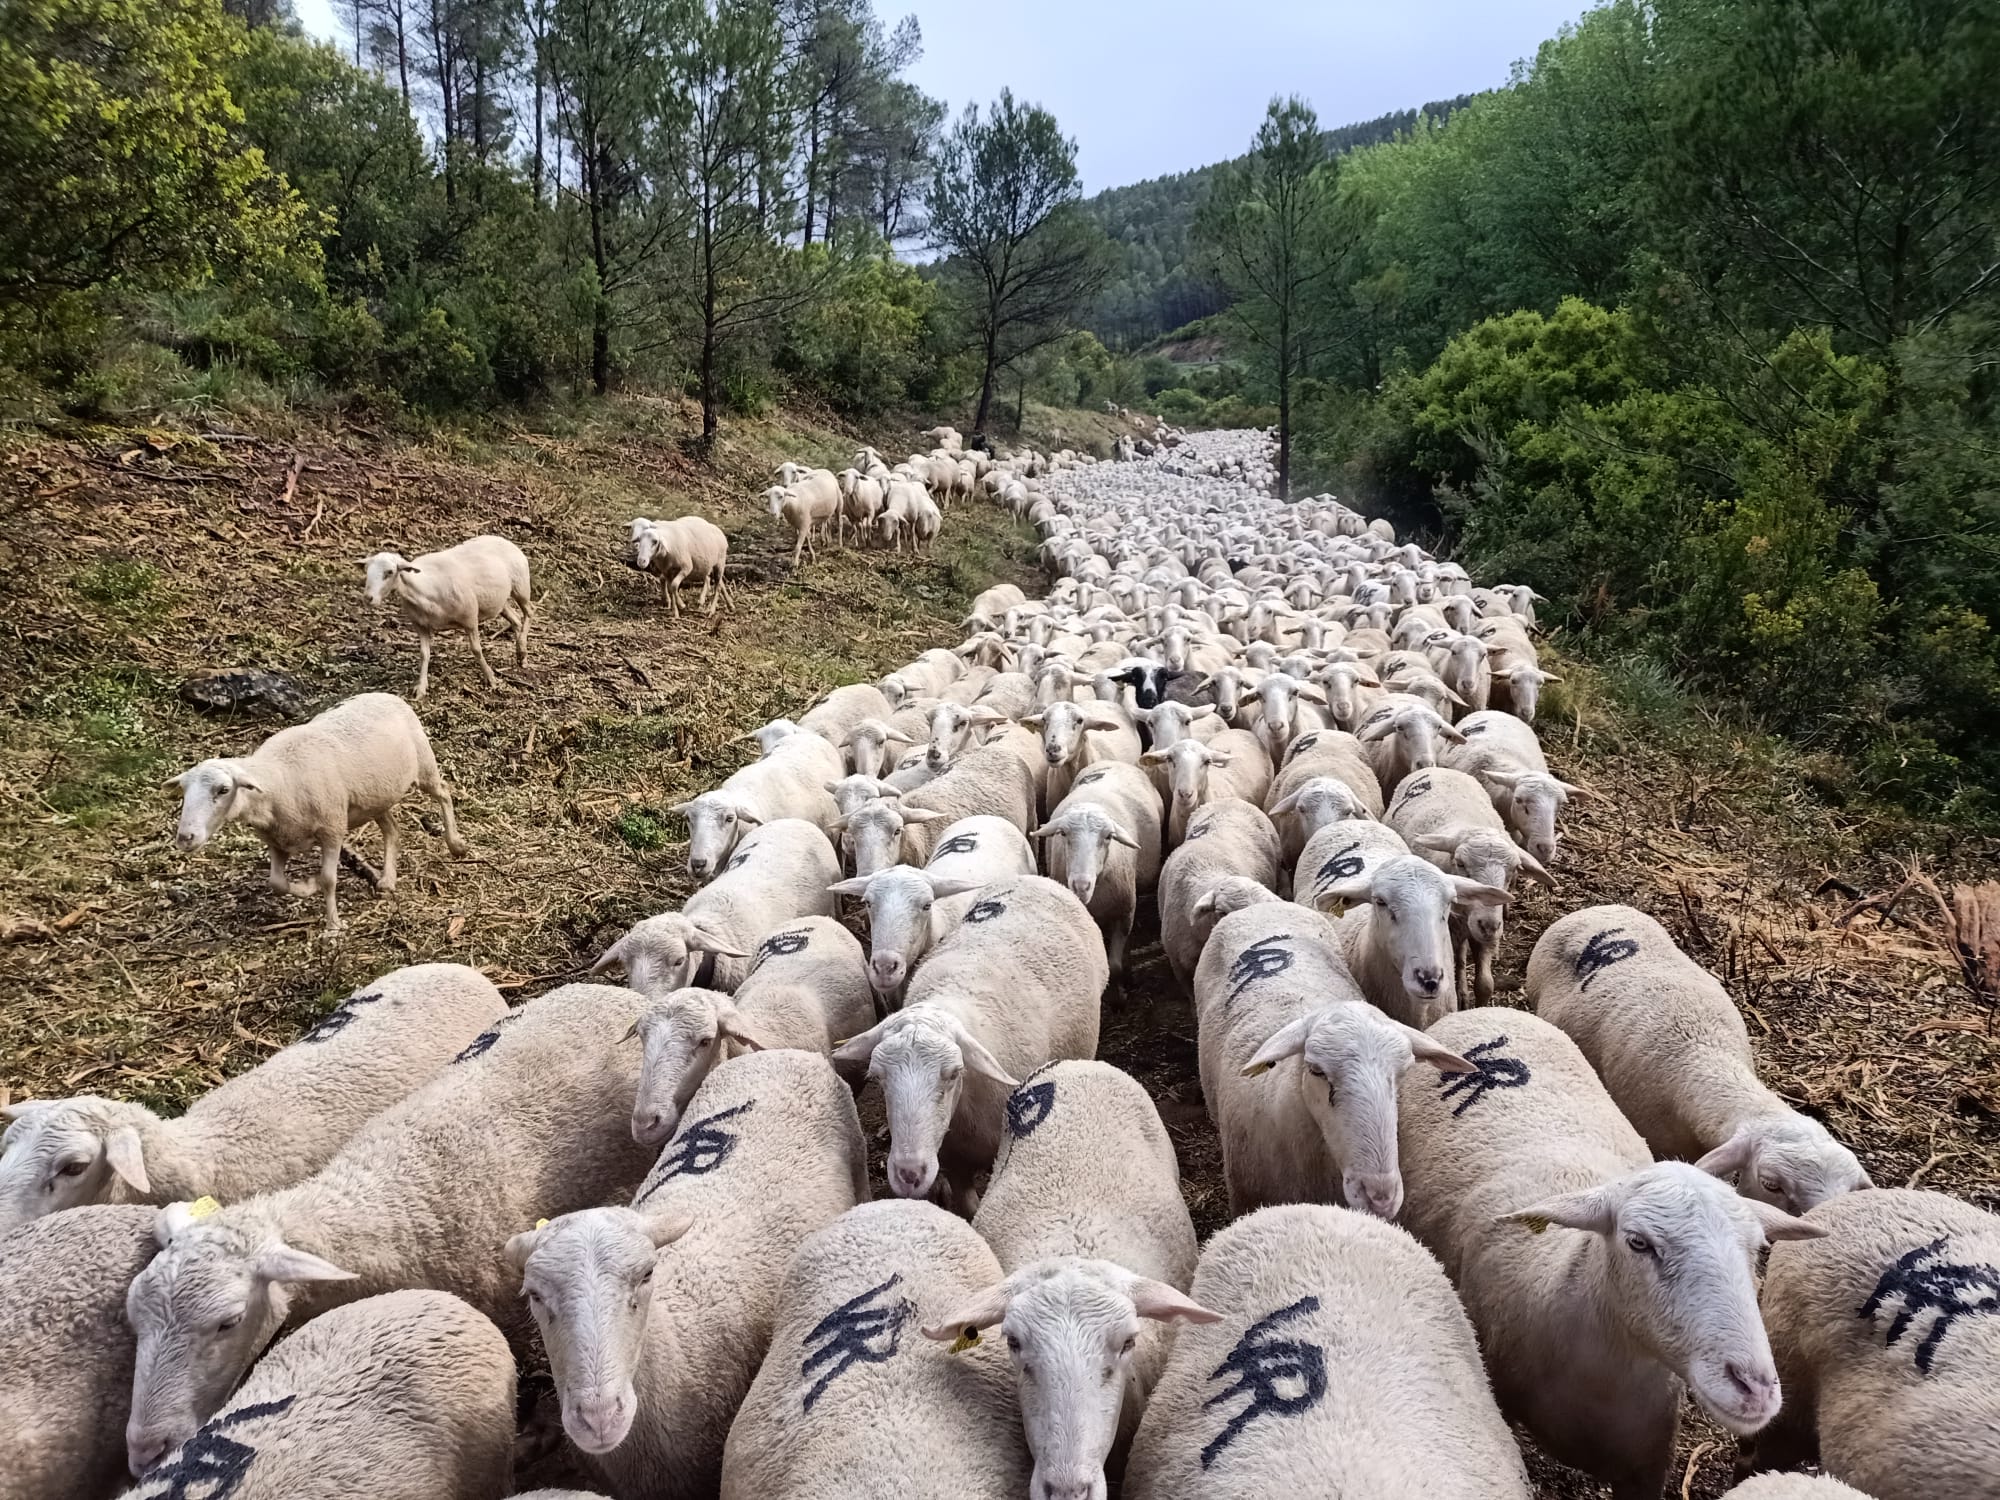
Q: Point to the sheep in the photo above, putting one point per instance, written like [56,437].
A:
[1352,691]
[926,677]
[1227,838]
[263,1129]
[1108,853]
[1272,987]
[1588,1333]
[1086,1217]
[910,910]
[805,991]
[1397,940]
[779,873]
[1401,735]
[1236,756]
[861,500]
[790,782]
[673,551]
[1446,817]
[66,1349]
[1503,755]
[1330,753]
[1284,711]
[1076,736]
[810,502]
[987,782]
[1674,1054]
[1886,1342]
[529,1121]
[1342,1364]
[460,588]
[1794,1487]
[1014,987]
[850,1400]
[1338,852]
[989,606]
[310,784]
[836,714]
[908,511]
[404,1396]
[656,1315]
[1517,685]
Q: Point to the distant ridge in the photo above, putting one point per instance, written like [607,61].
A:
[1153,291]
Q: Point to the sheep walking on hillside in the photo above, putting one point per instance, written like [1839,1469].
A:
[674,551]
[460,588]
[308,786]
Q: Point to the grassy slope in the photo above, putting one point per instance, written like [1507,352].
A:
[129,968]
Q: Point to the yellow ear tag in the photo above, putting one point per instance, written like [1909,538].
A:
[202,1207]
[1535,1222]
[541,1223]
[965,1341]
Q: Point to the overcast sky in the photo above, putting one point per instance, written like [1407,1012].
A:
[1162,86]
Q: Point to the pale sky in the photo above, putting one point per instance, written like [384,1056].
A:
[1160,87]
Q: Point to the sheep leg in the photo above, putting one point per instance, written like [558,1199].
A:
[520,631]
[329,878]
[722,595]
[281,877]
[1482,979]
[386,881]
[430,781]
[479,652]
[1116,937]
[423,662]
[798,547]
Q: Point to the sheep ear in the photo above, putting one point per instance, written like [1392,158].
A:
[20,1109]
[967,1320]
[1161,1303]
[1117,834]
[1471,893]
[730,1023]
[922,815]
[1731,1157]
[1221,757]
[122,1151]
[281,1262]
[1582,793]
[1428,1049]
[244,781]
[942,887]
[1034,721]
[1779,1225]
[1313,694]
[854,885]
[1534,869]
[522,1246]
[1447,730]
[170,1221]
[402,568]
[663,1229]
[701,940]
[860,1048]
[744,815]
[180,780]
[1153,758]
[1377,729]
[1594,1210]
[1439,843]
[1347,893]
[610,958]
[1288,1040]
[1286,804]
[839,824]
[1550,677]
[983,1062]
[631,1034]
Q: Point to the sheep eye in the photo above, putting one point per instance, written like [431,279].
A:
[1131,1343]
[228,1323]
[1316,1070]
[707,1041]
[221,792]
[1013,1344]
[71,1169]
[1640,1245]
[1771,1184]
[648,1276]
[927,906]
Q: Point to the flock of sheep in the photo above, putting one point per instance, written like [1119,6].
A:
[1312,748]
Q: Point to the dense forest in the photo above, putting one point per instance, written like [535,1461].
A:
[1154,290]
[1696,328]
[475,202]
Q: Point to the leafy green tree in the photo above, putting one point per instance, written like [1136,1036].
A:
[1271,234]
[122,162]
[1023,259]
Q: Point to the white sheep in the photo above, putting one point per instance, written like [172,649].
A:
[1503,755]
[656,1315]
[66,1349]
[1016,986]
[1446,817]
[790,782]
[836,714]
[1285,710]
[309,785]
[1232,764]
[530,1121]
[404,1396]
[810,503]
[911,911]
[1886,1340]
[851,1400]
[806,991]
[263,1129]
[1107,850]
[1226,839]
[1338,852]
[990,781]
[779,873]
[673,551]
[1077,736]
[1795,1487]
[1401,735]
[1342,1364]
[460,588]
[1328,754]
[1597,1280]
[1272,993]
[1397,940]
[1086,1216]
[861,500]
[1674,1054]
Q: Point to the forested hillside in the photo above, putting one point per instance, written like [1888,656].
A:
[1693,327]
[1154,290]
